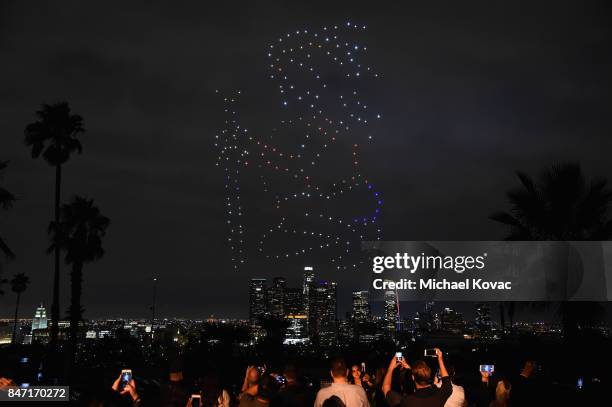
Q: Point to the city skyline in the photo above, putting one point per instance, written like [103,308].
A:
[320,326]
[461,113]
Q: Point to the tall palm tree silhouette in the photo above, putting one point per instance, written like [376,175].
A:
[19,283]
[562,206]
[54,135]
[79,234]
[6,202]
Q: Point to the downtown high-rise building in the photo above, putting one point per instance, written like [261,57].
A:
[296,317]
[391,316]
[257,300]
[323,313]
[451,321]
[39,326]
[297,332]
[361,307]
[308,281]
[483,319]
[294,301]
[40,319]
[276,297]
[427,320]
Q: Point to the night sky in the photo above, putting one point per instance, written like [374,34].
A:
[471,92]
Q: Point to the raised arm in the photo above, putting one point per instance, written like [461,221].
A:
[443,371]
[245,383]
[386,386]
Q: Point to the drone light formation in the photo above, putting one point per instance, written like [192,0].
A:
[324,118]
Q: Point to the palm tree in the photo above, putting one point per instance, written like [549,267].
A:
[19,283]
[6,202]
[562,206]
[54,136]
[79,234]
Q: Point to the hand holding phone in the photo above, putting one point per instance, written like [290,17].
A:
[126,377]
[487,369]
[196,400]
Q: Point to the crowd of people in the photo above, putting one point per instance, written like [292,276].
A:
[428,382]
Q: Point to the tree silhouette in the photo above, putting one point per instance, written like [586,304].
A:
[19,283]
[6,202]
[54,135]
[79,234]
[562,206]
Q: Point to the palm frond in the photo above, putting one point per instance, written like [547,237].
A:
[562,205]
[6,199]
[6,250]
[54,135]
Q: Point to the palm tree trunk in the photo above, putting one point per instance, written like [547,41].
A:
[76,281]
[56,276]
[15,320]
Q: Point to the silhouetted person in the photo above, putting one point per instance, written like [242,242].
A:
[128,392]
[524,391]
[425,394]
[494,395]
[257,389]
[333,401]
[457,397]
[213,394]
[502,394]
[350,395]
[293,393]
[173,393]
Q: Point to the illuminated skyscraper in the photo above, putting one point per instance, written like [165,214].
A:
[391,311]
[39,326]
[257,299]
[451,321]
[294,302]
[276,298]
[323,313]
[483,318]
[361,306]
[40,319]
[307,283]
[296,331]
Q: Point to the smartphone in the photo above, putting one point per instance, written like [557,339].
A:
[281,379]
[430,353]
[363,367]
[260,369]
[580,383]
[196,400]
[126,377]
[487,368]
[398,356]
